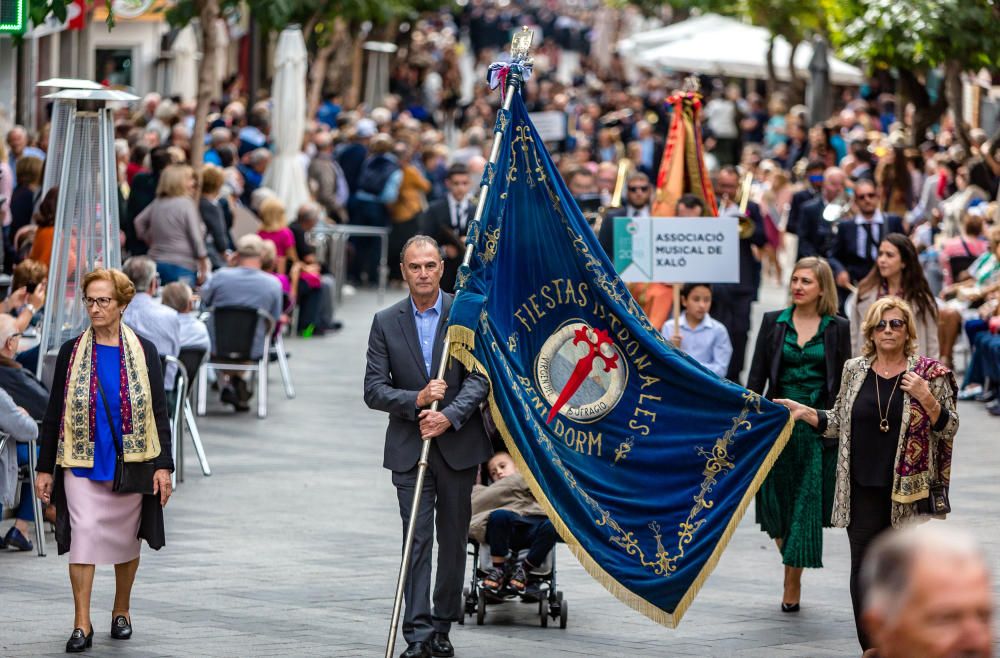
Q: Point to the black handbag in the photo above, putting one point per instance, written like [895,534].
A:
[937,502]
[130,477]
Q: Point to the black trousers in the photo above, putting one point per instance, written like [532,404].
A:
[871,514]
[445,506]
[732,307]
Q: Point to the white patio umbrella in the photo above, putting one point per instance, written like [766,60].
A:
[637,43]
[740,51]
[184,69]
[286,175]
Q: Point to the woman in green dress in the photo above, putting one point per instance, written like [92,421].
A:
[800,355]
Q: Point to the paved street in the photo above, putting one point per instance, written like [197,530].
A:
[291,549]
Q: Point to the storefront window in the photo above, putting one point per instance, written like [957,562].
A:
[114,67]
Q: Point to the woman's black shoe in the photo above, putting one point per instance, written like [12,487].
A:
[789,607]
[78,642]
[121,628]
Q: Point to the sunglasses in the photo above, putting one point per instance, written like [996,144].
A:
[866,196]
[641,188]
[894,323]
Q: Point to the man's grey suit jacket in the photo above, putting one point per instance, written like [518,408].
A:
[396,374]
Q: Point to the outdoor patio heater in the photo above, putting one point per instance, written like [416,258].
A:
[87,228]
[59,123]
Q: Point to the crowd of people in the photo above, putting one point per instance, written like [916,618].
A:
[891,241]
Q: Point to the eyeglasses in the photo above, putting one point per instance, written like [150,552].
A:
[416,268]
[641,188]
[102,302]
[13,336]
[895,323]
[870,195]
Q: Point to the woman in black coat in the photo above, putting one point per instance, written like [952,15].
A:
[107,402]
[800,354]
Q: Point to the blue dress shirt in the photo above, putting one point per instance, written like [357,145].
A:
[427,322]
[708,343]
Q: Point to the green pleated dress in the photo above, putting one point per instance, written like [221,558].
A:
[796,500]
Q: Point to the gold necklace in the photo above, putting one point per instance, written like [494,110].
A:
[884,418]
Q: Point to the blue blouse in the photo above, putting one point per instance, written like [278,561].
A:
[109,373]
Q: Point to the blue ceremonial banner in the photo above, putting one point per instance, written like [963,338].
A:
[643,459]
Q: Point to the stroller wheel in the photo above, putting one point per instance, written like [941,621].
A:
[563,613]
[543,613]
[481,608]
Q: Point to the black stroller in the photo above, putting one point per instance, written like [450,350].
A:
[541,588]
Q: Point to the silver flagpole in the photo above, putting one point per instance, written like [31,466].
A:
[519,53]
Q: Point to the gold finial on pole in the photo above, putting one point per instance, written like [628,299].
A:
[691,84]
[520,45]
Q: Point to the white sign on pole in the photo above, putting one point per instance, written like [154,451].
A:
[551,126]
[677,249]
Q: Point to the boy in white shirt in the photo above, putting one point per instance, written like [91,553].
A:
[702,337]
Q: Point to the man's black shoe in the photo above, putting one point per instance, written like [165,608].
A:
[441,645]
[416,650]
[229,396]
[242,390]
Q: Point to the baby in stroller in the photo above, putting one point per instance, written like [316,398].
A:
[507,517]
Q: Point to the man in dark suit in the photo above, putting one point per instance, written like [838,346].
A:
[815,233]
[731,302]
[404,351]
[814,179]
[638,194]
[447,221]
[856,246]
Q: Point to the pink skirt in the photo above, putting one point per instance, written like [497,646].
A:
[104,524]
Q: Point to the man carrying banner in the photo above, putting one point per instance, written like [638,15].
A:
[404,348]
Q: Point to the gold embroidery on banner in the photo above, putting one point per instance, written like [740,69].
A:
[492,239]
[621,452]
[512,343]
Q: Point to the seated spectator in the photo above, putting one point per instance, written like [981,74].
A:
[927,593]
[23,305]
[20,383]
[244,285]
[152,320]
[218,241]
[274,227]
[194,333]
[172,228]
[16,422]
[27,194]
[963,249]
[252,168]
[45,220]
[33,277]
[308,218]
[699,335]
[506,516]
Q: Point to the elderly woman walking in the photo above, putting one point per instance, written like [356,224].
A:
[105,452]
[895,418]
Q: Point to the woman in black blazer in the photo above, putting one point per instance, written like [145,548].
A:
[800,354]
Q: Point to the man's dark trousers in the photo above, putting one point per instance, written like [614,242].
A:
[446,507]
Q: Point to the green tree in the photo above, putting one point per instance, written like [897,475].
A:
[915,37]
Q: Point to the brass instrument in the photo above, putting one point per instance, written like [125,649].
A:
[746,224]
[624,168]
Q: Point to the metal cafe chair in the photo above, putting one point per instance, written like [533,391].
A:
[26,474]
[234,330]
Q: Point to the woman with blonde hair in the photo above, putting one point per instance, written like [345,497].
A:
[105,452]
[895,420]
[274,227]
[800,354]
[172,228]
